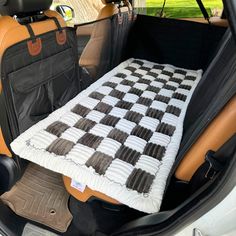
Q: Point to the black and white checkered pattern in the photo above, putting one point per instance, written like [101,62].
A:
[121,131]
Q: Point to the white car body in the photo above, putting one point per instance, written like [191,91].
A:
[220,221]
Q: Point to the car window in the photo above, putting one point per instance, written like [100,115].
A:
[178,8]
[84,10]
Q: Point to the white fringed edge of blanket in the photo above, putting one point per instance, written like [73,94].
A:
[150,203]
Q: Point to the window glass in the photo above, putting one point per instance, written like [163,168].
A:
[84,10]
[178,8]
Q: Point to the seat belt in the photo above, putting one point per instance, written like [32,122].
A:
[203,10]
[214,163]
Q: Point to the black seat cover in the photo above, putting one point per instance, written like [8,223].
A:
[214,80]
[214,91]
[33,85]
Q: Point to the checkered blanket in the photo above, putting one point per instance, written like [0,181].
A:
[121,135]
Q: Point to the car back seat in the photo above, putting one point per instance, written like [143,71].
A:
[211,77]
[215,133]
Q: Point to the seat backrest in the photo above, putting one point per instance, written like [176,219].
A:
[210,120]
[96,51]
[32,83]
[111,8]
[12,32]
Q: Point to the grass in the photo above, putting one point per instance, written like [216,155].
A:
[182,8]
[184,3]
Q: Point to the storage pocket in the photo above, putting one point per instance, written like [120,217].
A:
[41,87]
[38,73]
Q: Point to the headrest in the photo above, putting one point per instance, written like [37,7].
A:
[23,7]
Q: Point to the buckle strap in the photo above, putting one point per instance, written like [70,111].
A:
[57,23]
[214,165]
[35,44]
[31,32]
[61,36]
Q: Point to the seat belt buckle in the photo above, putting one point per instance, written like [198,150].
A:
[214,165]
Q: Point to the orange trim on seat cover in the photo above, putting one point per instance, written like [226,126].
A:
[87,194]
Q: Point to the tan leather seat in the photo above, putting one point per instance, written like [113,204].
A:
[111,8]
[214,21]
[87,194]
[91,56]
[12,32]
[218,132]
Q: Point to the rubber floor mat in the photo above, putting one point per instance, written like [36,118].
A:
[40,196]
[32,230]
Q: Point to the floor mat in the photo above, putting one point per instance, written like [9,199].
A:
[40,196]
[32,230]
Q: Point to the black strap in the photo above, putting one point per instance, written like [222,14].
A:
[203,10]
[57,23]
[31,32]
[214,163]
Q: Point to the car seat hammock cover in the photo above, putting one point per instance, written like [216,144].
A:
[121,135]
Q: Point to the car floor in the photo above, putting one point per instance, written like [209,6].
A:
[84,218]
[40,196]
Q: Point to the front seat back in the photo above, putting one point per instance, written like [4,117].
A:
[38,66]
[34,56]
[96,56]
